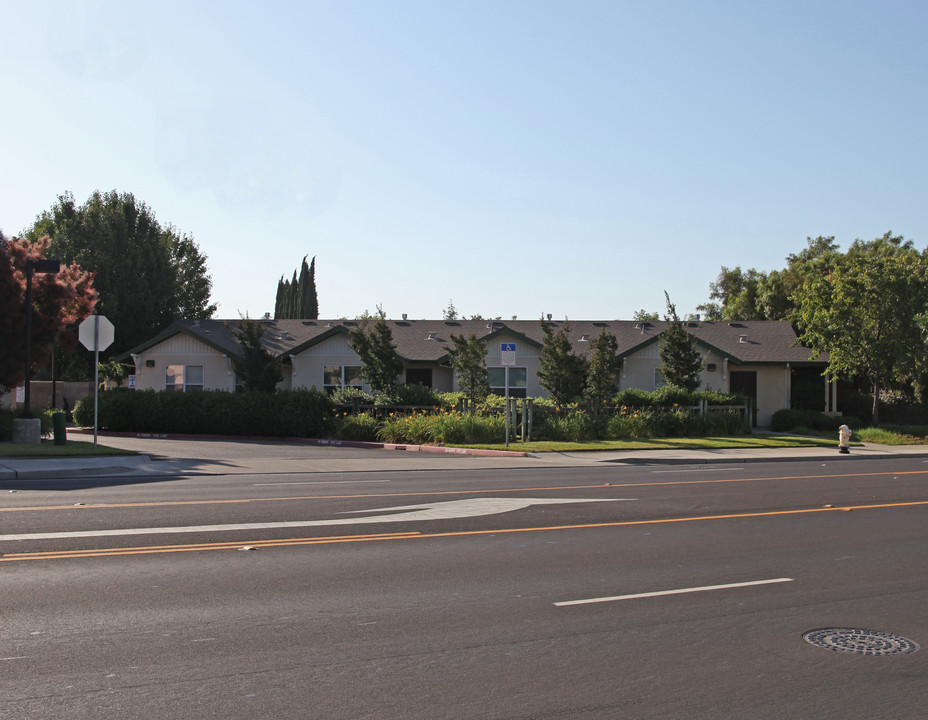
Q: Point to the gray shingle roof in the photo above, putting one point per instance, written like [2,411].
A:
[426,340]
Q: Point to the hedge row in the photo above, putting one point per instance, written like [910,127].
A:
[6,422]
[579,425]
[786,420]
[294,413]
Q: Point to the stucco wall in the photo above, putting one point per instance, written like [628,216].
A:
[773,386]
[183,350]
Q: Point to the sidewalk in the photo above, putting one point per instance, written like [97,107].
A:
[165,456]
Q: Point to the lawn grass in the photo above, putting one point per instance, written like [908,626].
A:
[48,449]
[893,435]
[682,443]
[882,435]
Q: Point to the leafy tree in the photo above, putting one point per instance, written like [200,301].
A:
[192,284]
[864,309]
[374,345]
[468,358]
[737,292]
[681,360]
[600,380]
[59,302]
[645,316]
[257,368]
[450,312]
[750,294]
[560,372]
[146,275]
[297,298]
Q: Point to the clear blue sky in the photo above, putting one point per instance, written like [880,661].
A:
[519,158]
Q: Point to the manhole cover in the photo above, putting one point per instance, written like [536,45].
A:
[860,642]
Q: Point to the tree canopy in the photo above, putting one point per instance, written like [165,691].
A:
[681,360]
[866,309]
[560,372]
[751,294]
[256,368]
[468,357]
[600,380]
[297,299]
[373,342]
[146,275]
[59,302]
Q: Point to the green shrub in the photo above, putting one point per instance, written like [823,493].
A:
[360,426]
[788,419]
[7,416]
[291,413]
[346,395]
[416,394]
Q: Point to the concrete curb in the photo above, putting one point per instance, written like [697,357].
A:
[757,459]
[315,441]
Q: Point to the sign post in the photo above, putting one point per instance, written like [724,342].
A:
[96,333]
[507,357]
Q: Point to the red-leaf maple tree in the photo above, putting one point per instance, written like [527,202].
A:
[59,302]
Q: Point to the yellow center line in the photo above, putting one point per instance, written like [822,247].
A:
[444,493]
[293,542]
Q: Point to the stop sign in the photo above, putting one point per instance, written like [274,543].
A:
[96,332]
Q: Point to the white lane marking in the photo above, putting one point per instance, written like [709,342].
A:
[679,591]
[322,482]
[473,507]
[698,468]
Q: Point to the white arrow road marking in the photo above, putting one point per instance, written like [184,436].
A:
[433,511]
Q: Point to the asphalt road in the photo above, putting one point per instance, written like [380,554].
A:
[586,592]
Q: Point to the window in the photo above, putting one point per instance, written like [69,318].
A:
[496,376]
[659,381]
[183,378]
[336,376]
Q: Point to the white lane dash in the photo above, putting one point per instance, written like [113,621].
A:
[321,482]
[679,591]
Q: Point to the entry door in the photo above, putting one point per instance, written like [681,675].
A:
[744,382]
[419,376]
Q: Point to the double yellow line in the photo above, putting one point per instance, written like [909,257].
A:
[293,542]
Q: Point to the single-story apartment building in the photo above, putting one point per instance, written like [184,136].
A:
[757,358]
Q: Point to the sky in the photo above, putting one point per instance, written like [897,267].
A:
[513,158]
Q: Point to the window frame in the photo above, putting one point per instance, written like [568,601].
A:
[515,390]
[185,383]
[344,374]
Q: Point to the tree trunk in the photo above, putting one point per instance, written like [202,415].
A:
[876,402]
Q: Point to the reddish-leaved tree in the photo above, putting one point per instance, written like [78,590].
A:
[59,302]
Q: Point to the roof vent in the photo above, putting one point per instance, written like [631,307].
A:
[490,325]
[742,338]
[431,336]
[404,316]
[584,338]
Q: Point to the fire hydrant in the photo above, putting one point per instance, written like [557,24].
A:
[844,437]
